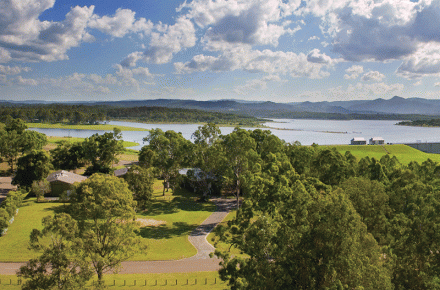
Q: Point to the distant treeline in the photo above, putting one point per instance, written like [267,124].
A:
[421,123]
[339,116]
[83,114]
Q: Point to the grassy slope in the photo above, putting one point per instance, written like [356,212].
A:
[404,153]
[102,127]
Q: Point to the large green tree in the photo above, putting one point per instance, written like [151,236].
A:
[242,160]
[103,205]
[68,155]
[32,167]
[168,152]
[140,181]
[62,264]
[102,151]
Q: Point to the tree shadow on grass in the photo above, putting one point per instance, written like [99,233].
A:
[57,208]
[158,207]
[166,232]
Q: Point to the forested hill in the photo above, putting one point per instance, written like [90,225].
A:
[92,114]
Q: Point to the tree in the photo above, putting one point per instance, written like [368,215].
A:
[39,188]
[208,159]
[241,159]
[68,156]
[168,152]
[102,151]
[104,208]
[32,167]
[140,181]
[311,241]
[62,264]
[15,140]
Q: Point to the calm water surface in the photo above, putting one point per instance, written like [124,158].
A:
[322,132]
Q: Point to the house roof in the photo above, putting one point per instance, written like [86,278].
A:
[377,138]
[120,172]
[65,176]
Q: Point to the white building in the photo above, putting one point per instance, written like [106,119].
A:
[358,141]
[377,141]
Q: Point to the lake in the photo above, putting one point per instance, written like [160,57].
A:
[322,132]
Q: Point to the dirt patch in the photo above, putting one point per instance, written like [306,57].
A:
[150,222]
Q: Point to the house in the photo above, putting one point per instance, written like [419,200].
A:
[377,141]
[61,181]
[358,141]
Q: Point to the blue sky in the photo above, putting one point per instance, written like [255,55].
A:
[262,50]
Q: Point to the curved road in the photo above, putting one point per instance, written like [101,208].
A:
[197,263]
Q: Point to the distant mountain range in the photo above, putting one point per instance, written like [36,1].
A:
[394,106]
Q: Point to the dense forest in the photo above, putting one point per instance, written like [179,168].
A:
[83,114]
[421,123]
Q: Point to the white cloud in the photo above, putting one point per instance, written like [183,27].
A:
[24,37]
[353,72]
[373,76]
[272,62]
[25,82]
[437,84]
[176,37]
[425,62]
[121,23]
[313,38]
[317,57]
[14,70]
[256,85]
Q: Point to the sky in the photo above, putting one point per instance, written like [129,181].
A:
[255,50]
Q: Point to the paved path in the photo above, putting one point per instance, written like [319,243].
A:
[198,263]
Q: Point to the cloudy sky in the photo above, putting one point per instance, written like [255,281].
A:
[276,50]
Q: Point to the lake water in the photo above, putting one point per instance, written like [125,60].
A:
[322,132]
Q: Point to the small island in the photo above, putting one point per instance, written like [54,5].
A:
[421,123]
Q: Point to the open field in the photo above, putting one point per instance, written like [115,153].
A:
[179,213]
[15,243]
[404,153]
[190,281]
[101,127]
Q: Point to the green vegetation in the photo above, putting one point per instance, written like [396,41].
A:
[421,123]
[15,244]
[404,153]
[169,241]
[97,127]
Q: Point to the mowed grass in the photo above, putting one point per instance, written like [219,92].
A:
[404,153]
[193,281]
[14,245]
[101,127]
[179,211]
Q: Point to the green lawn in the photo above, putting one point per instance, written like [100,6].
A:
[180,212]
[404,153]
[193,281]
[14,245]
[53,140]
[102,127]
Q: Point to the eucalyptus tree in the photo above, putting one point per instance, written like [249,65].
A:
[168,152]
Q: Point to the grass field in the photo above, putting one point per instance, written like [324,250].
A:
[404,153]
[102,127]
[180,212]
[14,245]
[190,281]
